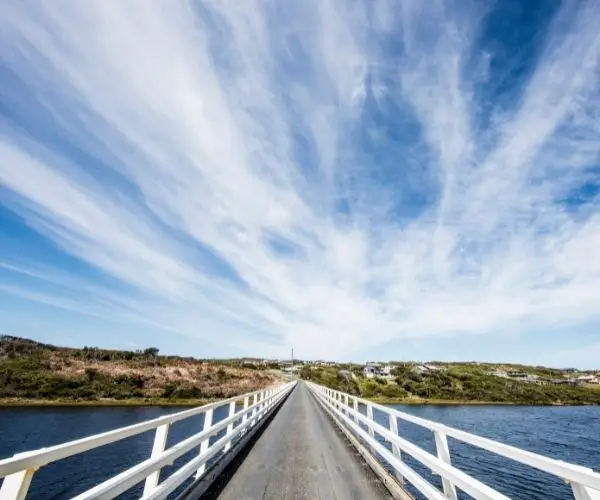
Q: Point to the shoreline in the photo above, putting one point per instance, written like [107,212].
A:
[453,402]
[101,403]
[187,403]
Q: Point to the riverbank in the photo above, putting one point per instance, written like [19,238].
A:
[189,403]
[106,403]
[12,402]
[453,402]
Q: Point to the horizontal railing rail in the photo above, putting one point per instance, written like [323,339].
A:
[585,483]
[19,469]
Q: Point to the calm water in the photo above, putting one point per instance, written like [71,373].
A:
[24,429]
[571,434]
[567,433]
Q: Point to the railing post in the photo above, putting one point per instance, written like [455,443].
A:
[267,401]
[582,492]
[245,417]
[259,399]
[370,418]
[346,404]
[355,407]
[160,441]
[395,450]
[443,453]
[230,425]
[261,404]
[16,485]
[208,418]
[255,410]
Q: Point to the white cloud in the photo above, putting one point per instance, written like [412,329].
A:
[228,138]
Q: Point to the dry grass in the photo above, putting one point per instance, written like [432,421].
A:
[33,371]
[213,379]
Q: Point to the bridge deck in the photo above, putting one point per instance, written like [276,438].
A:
[302,455]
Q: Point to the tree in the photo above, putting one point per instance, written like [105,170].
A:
[151,351]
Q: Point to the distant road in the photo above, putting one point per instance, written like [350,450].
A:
[301,456]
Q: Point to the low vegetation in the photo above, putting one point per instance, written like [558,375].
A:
[468,383]
[31,371]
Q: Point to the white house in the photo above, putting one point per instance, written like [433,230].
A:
[419,369]
[386,371]
[588,379]
[435,368]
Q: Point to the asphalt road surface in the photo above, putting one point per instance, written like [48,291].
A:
[302,455]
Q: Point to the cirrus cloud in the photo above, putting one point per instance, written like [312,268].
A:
[331,175]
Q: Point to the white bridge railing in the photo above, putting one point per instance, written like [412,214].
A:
[585,483]
[244,412]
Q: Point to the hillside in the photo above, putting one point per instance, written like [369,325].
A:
[34,372]
[457,382]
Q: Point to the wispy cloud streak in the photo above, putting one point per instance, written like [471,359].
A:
[313,175]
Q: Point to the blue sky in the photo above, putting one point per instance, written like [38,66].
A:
[356,179]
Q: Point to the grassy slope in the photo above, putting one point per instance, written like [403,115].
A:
[35,374]
[459,384]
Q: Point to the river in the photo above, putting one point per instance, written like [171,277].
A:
[567,433]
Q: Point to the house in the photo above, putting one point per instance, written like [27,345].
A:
[527,377]
[434,368]
[420,369]
[570,381]
[588,379]
[371,371]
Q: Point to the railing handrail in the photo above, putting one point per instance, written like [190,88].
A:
[475,488]
[19,469]
[564,470]
[46,455]
[575,474]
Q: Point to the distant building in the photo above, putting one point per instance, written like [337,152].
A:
[254,362]
[588,379]
[427,368]
[569,381]
[386,371]
[521,376]
[434,368]
[419,369]
[371,371]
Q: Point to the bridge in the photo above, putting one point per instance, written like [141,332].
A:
[298,440]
